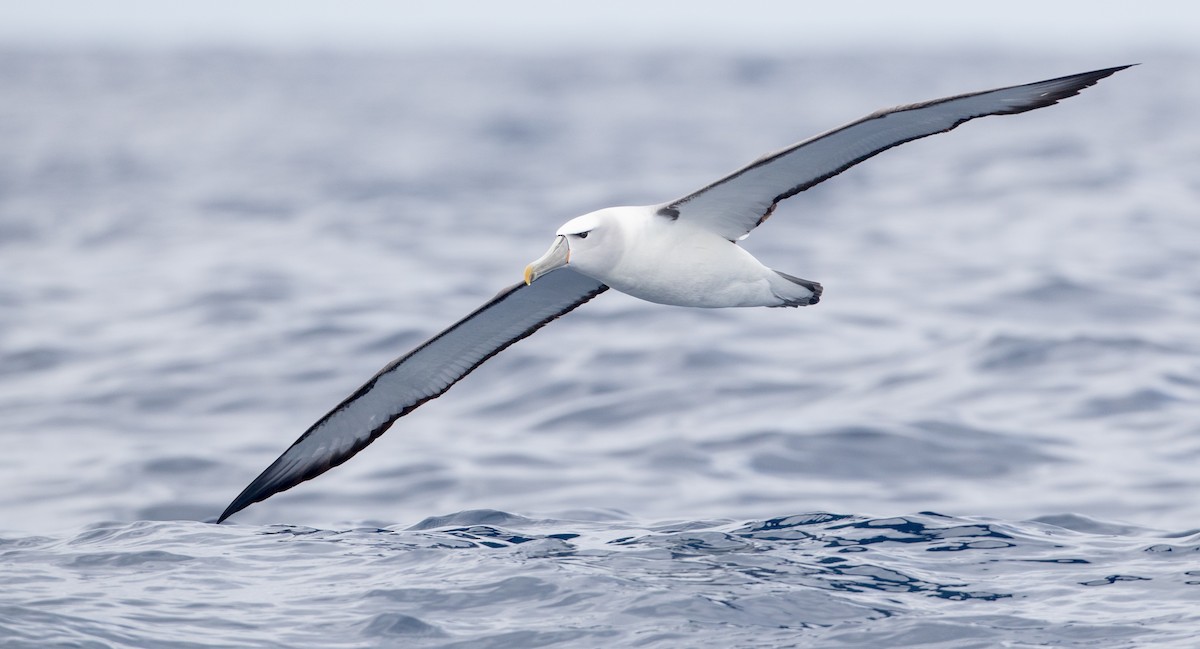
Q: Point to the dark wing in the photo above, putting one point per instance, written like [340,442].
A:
[739,202]
[421,375]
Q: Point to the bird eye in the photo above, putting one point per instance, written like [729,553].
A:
[583,235]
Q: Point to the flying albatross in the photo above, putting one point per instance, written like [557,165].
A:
[683,253]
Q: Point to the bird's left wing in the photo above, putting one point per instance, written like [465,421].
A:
[739,202]
[421,375]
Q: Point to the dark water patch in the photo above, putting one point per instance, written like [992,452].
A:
[180,464]
[1008,352]
[511,639]
[1145,400]
[471,518]
[788,528]
[874,453]
[609,413]
[35,359]
[1060,295]
[244,207]
[402,626]
[149,559]
[1112,579]
[1079,523]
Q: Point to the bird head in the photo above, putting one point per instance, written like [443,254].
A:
[590,244]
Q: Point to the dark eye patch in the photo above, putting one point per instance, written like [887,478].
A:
[583,235]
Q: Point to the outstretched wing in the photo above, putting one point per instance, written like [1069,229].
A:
[739,202]
[421,375]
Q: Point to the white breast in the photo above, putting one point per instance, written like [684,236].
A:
[677,263]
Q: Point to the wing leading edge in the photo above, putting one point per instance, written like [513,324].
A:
[421,375]
[739,202]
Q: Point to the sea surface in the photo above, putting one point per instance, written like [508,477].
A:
[987,434]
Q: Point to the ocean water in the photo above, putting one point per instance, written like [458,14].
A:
[986,434]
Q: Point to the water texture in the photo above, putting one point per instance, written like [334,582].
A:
[986,434]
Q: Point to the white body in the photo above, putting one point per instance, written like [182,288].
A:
[641,253]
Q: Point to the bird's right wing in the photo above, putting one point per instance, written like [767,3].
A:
[421,375]
[741,201]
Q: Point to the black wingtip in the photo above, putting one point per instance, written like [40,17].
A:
[232,509]
[1064,87]
[263,487]
[1090,79]
[1094,76]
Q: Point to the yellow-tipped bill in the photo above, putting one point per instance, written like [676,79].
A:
[556,257]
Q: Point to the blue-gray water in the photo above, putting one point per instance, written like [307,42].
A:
[986,434]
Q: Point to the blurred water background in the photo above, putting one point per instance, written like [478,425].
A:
[986,434]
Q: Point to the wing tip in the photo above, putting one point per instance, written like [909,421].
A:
[229,511]
[1088,79]
[1058,88]
[274,479]
[250,495]
[1064,87]
[269,483]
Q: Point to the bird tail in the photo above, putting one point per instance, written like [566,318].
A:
[796,291]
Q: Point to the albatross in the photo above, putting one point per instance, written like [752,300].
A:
[683,252]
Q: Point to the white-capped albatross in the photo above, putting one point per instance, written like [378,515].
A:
[683,252]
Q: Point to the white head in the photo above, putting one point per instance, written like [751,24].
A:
[591,244]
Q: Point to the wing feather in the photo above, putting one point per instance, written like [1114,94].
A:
[421,375]
[739,202]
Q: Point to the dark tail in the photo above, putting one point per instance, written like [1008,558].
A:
[808,284]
